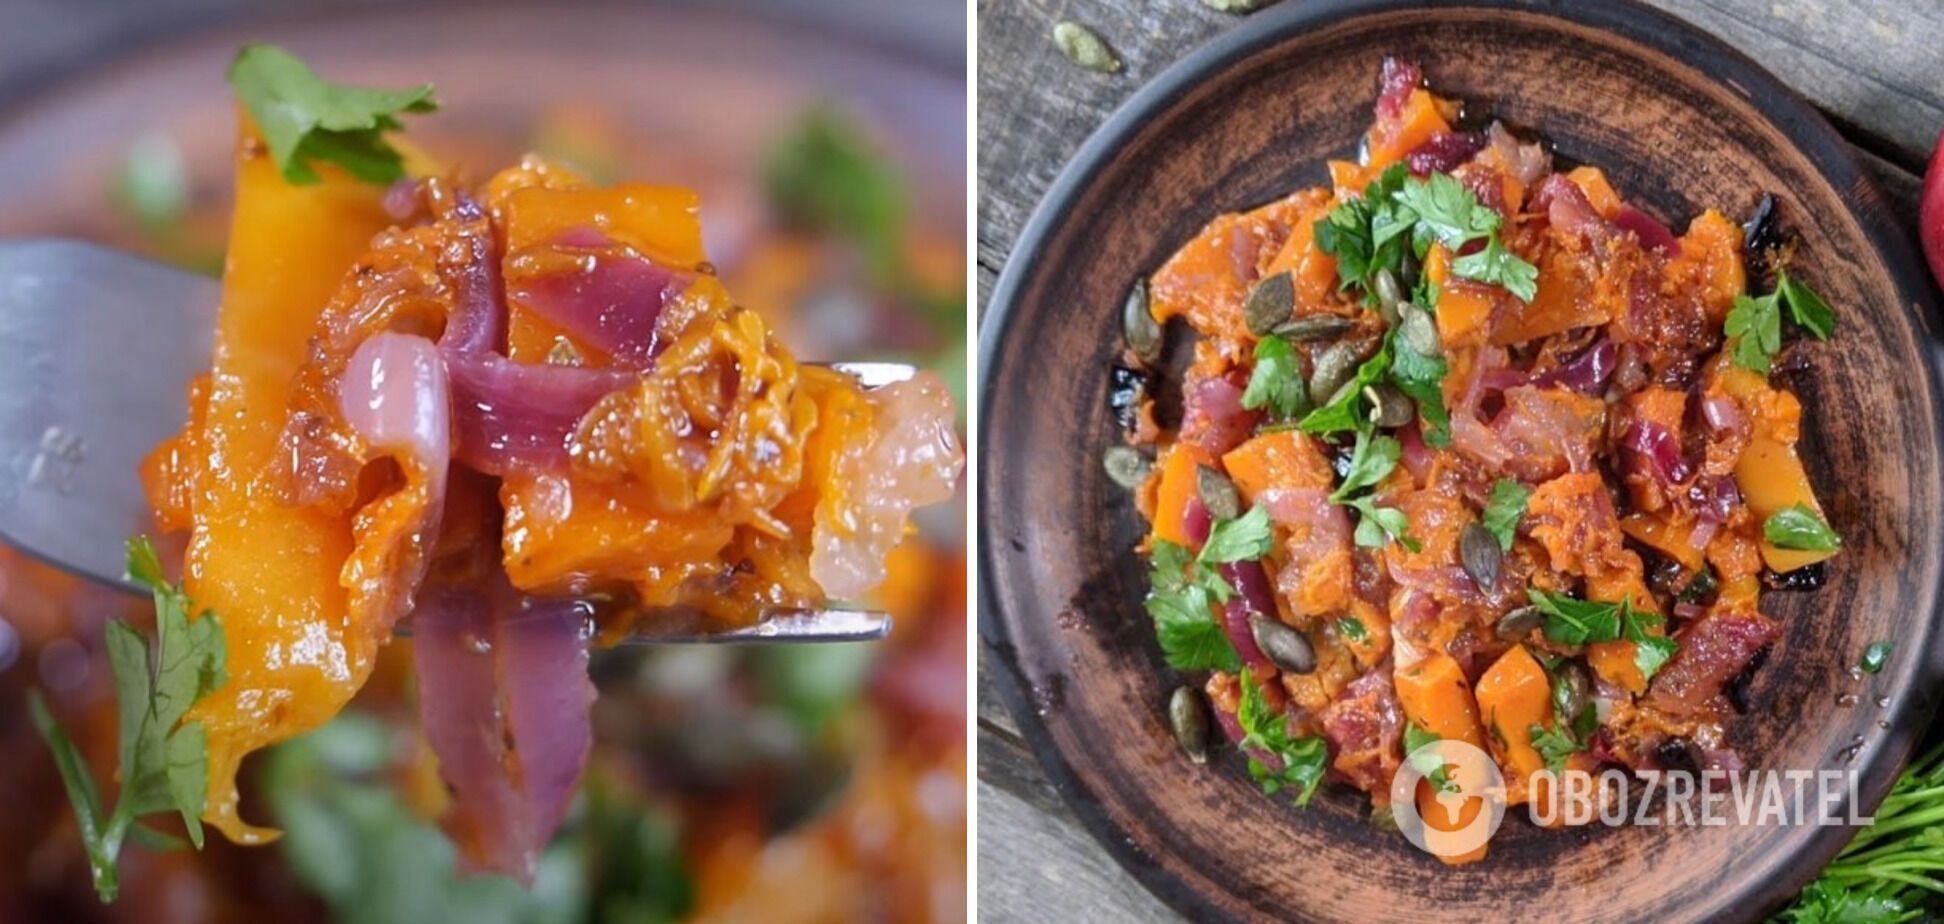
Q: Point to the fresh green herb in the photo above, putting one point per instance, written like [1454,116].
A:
[1368,234]
[306,119]
[1572,621]
[1700,587]
[1352,628]
[1756,326]
[1375,524]
[1554,745]
[1503,509]
[1346,412]
[1276,383]
[1303,759]
[1756,323]
[1798,527]
[1188,586]
[1875,656]
[1806,308]
[1893,870]
[1575,719]
[1373,459]
[164,762]
[1421,377]
[1651,651]
[1431,766]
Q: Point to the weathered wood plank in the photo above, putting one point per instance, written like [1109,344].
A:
[1035,863]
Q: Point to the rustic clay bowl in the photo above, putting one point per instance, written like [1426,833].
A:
[1680,122]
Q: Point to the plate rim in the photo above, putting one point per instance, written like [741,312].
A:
[1807,131]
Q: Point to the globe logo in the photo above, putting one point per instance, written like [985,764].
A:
[1459,786]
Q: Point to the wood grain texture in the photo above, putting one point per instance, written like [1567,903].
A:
[1050,111]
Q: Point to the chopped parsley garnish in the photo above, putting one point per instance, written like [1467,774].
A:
[1572,730]
[1371,461]
[164,762]
[1345,412]
[1503,510]
[1187,586]
[1276,383]
[1799,528]
[1368,235]
[1430,765]
[306,119]
[1421,378]
[1303,759]
[1756,323]
[1572,621]
[1352,628]
[1875,656]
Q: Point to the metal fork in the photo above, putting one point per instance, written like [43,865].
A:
[96,350]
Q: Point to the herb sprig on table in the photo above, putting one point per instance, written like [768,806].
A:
[1893,870]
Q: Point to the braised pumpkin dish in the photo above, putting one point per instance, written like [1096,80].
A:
[1467,446]
[518,416]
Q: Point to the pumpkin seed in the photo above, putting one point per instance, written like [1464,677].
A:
[1519,623]
[1420,332]
[1571,697]
[1383,819]
[1333,367]
[1085,47]
[1188,719]
[1389,295]
[1126,466]
[1407,269]
[1388,406]
[1217,494]
[1269,303]
[1479,550]
[1283,646]
[1143,333]
[1313,327]
[1235,6]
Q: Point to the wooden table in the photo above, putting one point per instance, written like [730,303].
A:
[1875,68]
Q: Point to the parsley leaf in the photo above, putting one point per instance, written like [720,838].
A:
[1496,265]
[163,763]
[1430,765]
[1276,382]
[1756,326]
[1446,212]
[1303,759]
[1189,636]
[1368,234]
[1806,308]
[1373,459]
[1798,527]
[1347,413]
[1554,745]
[1352,628]
[1504,509]
[1244,538]
[1421,377]
[1376,523]
[305,118]
[1651,652]
[1572,621]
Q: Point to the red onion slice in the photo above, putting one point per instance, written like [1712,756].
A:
[518,416]
[613,303]
[504,699]
[395,396]
[1252,598]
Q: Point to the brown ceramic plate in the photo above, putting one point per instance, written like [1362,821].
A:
[1680,122]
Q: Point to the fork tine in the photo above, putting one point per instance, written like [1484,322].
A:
[820,625]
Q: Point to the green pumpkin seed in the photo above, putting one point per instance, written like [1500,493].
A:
[1383,819]
[1188,719]
[1420,333]
[1126,466]
[1085,47]
[1217,494]
[1407,269]
[1389,295]
[1519,623]
[1269,303]
[1235,6]
[1388,406]
[1334,366]
[1283,646]
[1313,327]
[1571,696]
[1143,333]
[1479,550]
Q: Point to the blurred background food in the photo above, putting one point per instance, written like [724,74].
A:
[827,140]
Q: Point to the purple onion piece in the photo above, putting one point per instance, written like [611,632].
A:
[1444,152]
[504,698]
[1252,598]
[613,303]
[1586,373]
[517,416]
[1652,234]
[1653,449]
